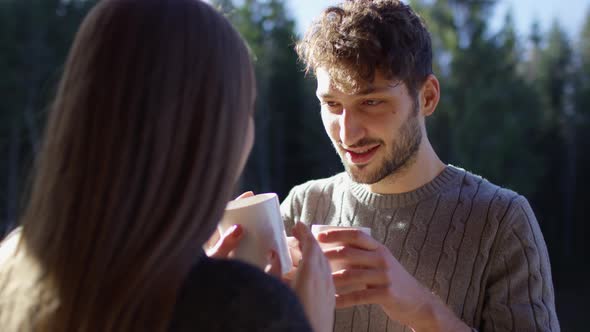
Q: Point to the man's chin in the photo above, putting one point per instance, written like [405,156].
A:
[360,174]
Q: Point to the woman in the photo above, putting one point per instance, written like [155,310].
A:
[150,128]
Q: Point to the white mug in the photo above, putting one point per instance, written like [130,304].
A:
[261,220]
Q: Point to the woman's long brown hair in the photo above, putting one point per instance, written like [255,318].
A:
[140,156]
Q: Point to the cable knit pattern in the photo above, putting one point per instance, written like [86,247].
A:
[474,244]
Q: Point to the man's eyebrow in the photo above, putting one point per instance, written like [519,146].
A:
[366,91]
[372,89]
[324,95]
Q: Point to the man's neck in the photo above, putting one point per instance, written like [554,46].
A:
[425,167]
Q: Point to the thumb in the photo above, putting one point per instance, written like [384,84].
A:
[306,240]
[228,242]
[245,195]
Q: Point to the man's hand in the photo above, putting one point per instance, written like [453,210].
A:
[370,266]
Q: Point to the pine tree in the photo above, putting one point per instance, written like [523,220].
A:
[487,117]
[35,37]
[556,83]
[284,154]
[582,121]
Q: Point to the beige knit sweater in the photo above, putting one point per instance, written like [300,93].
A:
[476,245]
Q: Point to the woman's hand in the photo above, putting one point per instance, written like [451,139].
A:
[313,282]
[226,243]
[220,246]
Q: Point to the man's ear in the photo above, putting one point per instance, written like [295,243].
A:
[429,95]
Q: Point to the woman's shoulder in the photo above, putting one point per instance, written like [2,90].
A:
[227,295]
[8,246]
[25,296]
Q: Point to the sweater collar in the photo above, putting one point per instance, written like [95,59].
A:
[450,175]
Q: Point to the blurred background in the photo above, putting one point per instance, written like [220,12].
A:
[515,106]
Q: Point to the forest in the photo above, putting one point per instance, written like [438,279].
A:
[514,109]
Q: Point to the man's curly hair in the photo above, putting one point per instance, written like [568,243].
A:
[353,40]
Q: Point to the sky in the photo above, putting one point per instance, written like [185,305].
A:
[569,13]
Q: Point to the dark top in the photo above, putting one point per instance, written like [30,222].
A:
[224,295]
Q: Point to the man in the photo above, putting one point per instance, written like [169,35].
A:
[449,250]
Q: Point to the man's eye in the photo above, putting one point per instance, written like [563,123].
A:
[372,102]
[331,103]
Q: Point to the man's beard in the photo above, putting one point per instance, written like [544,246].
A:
[402,153]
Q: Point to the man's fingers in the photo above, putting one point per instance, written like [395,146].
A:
[353,277]
[228,242]
[349,237]
[351,256]
[365,296]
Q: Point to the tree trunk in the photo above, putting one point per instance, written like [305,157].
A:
[569,172]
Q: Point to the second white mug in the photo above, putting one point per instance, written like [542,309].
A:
[316,229]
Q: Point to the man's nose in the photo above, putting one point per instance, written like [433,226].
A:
[351,128]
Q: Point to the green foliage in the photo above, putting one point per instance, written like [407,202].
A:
[516,113]
[514,110]
[488,117]
[582,123]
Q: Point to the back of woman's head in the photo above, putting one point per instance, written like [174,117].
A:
[140,155]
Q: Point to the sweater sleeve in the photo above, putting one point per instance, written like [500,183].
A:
[519,294]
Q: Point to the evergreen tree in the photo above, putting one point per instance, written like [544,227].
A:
[288,125]
[556,82]
[488,114]
[35,37]
[582,121]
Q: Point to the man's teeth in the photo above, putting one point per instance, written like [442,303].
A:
[363,151]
